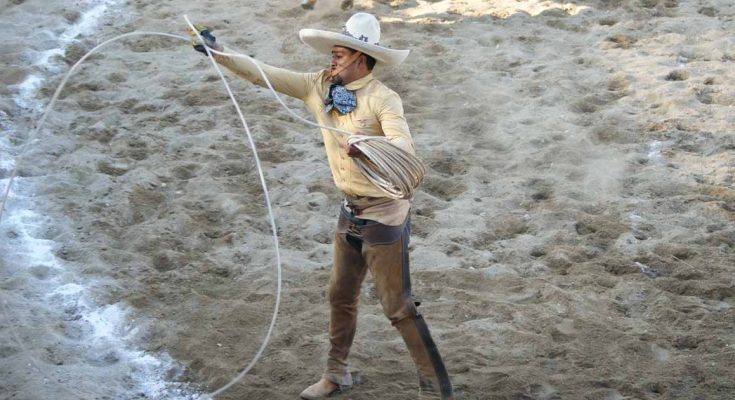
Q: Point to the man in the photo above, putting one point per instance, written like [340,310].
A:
[373,229]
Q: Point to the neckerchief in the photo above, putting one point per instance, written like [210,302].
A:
[341,98]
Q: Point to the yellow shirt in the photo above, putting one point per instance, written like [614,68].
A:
[379,112]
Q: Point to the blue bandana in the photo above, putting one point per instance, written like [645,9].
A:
[341,98]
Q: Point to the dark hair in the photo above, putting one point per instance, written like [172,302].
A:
[370,60]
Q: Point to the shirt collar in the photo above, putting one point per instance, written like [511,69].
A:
[360,83]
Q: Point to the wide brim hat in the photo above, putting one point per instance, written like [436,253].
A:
[361,33]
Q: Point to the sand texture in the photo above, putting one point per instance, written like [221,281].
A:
[574,237]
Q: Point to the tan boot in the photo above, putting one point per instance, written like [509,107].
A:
[322,389]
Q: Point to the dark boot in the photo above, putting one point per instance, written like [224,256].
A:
[433,378]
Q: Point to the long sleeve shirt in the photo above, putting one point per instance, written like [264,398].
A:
[379,112]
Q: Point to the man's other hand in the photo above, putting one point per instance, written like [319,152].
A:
[353,151]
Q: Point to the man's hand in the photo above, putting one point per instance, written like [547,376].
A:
[209,39]
[353,151]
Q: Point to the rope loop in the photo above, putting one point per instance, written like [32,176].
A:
[394,171]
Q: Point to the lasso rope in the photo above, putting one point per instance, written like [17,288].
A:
[41,122]
[14,174]
[396,172]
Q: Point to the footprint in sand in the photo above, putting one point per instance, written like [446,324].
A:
[442,188]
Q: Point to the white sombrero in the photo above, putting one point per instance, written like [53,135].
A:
[361,33]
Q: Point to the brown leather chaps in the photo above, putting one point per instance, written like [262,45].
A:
[362,245]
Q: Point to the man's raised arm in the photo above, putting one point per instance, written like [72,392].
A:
[294,84]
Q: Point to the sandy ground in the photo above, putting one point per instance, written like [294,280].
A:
[574,237]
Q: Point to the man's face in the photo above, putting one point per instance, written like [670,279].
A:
[340,57]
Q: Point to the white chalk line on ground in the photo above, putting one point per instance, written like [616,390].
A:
[34,133]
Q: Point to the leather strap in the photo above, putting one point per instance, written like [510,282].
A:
[370,232]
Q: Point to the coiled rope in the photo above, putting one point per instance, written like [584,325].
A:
[396,172]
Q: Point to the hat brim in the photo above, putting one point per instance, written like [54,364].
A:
[323,41]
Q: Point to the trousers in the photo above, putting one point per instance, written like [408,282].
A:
[365,245]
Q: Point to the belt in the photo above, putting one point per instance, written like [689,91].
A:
[352,209]
[369,231]
[349,203]
[350,212]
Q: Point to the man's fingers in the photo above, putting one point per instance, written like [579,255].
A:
[353,151]
[200,48]
[207,39]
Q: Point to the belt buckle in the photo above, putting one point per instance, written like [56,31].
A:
[351,207]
